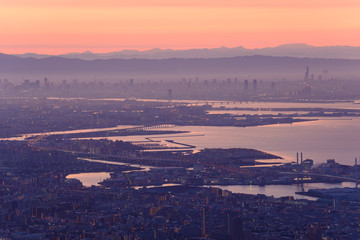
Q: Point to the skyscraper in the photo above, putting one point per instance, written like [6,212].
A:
[237,229]
[170,94]
[246,85]
[254,85]
[307,74]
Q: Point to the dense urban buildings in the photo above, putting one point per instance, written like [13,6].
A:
[158,189]
[225,89]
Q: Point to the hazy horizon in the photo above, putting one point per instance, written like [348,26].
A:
[293,44]
[105,50]
[76,26]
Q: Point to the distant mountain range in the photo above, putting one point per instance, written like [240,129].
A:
[264,67]
[288,50]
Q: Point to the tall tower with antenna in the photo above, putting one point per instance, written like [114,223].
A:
[307,74]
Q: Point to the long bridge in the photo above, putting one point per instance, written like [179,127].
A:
[301,176]
[148,127]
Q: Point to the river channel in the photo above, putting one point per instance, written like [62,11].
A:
[93,179]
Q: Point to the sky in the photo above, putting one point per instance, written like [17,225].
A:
[61,26]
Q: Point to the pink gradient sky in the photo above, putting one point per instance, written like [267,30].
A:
[60,26]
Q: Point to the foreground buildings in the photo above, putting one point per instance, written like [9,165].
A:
[38,202]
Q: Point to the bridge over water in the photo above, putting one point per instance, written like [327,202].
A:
[301,176]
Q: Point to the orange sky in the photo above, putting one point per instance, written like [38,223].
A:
[59,26]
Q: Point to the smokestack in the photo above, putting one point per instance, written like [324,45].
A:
[356,173]
[297,167]
[302,170]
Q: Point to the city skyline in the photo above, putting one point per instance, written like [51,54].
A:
[77,26]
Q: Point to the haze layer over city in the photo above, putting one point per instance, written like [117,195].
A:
[179,119]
